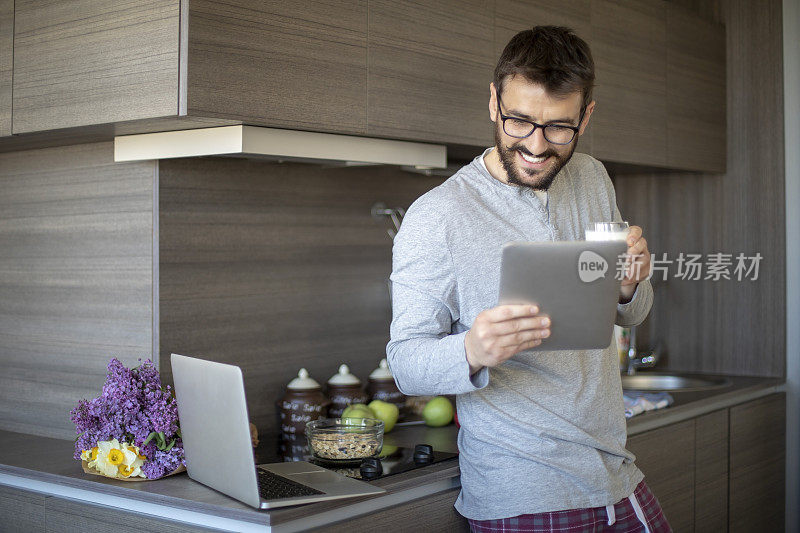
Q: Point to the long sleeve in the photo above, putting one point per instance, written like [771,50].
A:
[634,312]
[425,356]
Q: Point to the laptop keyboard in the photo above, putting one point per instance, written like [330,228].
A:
[272,486]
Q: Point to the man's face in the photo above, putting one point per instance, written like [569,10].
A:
[533,161]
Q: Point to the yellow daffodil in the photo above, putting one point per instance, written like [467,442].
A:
[109,456]
[133,461]
[135,449]
[125,471]
[92,456]
[114,459]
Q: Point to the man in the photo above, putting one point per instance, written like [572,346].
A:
[542,437]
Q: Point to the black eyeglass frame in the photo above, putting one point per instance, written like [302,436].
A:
[575,129]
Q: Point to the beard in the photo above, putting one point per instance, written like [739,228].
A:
[539,180]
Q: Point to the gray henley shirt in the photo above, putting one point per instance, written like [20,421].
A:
[544,431]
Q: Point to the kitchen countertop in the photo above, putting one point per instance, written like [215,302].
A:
[45,465]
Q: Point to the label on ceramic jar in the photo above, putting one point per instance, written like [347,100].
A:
[389,396]
[342,399]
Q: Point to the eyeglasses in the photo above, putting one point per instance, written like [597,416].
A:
[553,133]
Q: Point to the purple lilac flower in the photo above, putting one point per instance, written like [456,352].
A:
[132,405]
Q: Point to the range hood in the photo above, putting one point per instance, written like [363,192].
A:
[272,143]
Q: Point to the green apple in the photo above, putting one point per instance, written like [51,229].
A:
[438,412]
[357,410]
[388,412]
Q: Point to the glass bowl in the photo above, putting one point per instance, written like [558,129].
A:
[339,440]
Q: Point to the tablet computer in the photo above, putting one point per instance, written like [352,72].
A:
[572,282]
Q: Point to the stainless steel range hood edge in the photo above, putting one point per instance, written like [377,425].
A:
[273,143]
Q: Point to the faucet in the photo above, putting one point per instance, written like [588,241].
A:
[635,362]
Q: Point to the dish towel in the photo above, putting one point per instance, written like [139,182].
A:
[639,402]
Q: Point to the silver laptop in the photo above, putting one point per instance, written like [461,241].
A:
[216,440]
[573,282]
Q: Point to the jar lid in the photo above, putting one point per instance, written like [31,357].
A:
[344,377]
[303,382]
[382,372]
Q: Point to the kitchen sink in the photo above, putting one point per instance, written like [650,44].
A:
[672,382]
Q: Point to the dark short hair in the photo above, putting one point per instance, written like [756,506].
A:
[552,56]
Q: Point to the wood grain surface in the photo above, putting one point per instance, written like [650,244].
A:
[431,513]
[299,65]
[629,48]
[711,472]
[726,326]
[82,62]
[757,461]
[21,510]
[666,456]
[430,66]
[275,267]
[695,91]
[75,279]
[513,16]
[6,64]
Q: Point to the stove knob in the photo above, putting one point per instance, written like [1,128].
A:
[371,468]
[423,454]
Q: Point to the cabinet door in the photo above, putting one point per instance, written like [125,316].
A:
[430,65]
[429,514]
[6,63]
[300,64]
[21,510]
[695,92]
[82,62]
[757,462]
[711,473]
[666,456]
[629,48]
[513,16]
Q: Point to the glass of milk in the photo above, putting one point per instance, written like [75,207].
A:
[624,337]
[607,231]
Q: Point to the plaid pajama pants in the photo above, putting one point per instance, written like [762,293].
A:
[638,512]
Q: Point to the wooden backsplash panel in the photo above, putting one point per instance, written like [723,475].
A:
[726,326]
[76,279]
[275,267]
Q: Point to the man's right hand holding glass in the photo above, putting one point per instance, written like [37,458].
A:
[503,331]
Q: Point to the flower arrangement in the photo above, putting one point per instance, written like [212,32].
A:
[131,430]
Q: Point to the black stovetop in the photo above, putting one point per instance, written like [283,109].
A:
[393,460]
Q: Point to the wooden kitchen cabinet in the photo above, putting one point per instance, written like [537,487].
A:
[83,62]
[629,49]
[757,463]
[297,65]
[6,63]
[385,68]
[666,456]
[21,510]
[720,471]
[711,472]
[429,514]
[429,69]
[696,96]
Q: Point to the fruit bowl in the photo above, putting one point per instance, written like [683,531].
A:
[344,440]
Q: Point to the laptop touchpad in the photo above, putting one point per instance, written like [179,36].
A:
[326,481]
